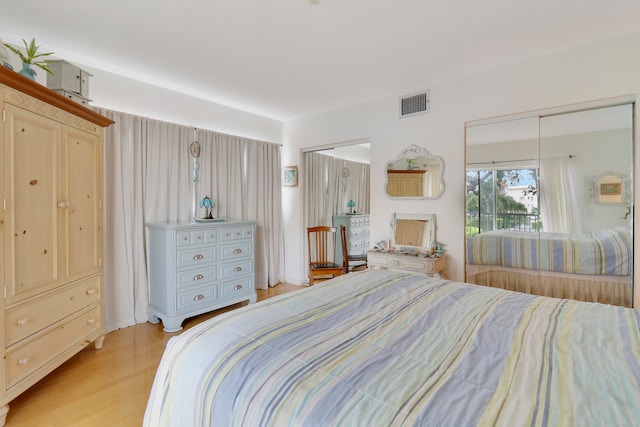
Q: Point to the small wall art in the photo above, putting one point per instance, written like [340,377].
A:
[290,176]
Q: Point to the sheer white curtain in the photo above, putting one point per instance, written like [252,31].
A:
[559,201]
[148,178]
[320,188]
[353,187]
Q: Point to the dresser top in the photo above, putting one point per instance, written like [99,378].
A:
[357,215]
[188,224]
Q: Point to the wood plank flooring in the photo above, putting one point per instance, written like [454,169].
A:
[107,387]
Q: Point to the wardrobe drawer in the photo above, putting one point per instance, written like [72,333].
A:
[25,359]
[236,269]
[200,297]
[236,251]
[199,256]
[28,318]
[196,277]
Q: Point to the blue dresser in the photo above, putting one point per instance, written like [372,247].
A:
[199,267]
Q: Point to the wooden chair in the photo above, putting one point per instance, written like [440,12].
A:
[322,252]
[360,258]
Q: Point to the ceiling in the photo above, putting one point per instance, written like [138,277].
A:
[285,59]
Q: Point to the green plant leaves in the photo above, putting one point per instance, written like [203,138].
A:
[31,55]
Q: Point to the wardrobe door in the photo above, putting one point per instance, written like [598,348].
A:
[586,196]
[31,147]
[81,153]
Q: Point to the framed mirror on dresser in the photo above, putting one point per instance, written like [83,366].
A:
[412,246]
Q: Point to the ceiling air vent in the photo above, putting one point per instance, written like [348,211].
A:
[414,104]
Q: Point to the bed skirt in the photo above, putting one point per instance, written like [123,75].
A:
[615,290]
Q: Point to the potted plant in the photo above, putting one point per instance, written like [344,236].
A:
[31,57]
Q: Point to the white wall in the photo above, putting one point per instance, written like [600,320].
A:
[599,70]
[119,93]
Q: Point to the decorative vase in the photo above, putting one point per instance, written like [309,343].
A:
[27,71]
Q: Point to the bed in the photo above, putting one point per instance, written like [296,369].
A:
[588,267]
[389,348]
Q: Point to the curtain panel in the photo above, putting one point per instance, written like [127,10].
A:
[149,178]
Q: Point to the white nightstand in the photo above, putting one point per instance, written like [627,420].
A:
[408,262]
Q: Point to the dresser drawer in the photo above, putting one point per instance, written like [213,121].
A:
[236,269]
[236,233]
[27,358]
[196,237]
[238,287]
[28,318]
[357,232]
[355,245]
[196,277]
[236,251]
[199,256]
[193,299]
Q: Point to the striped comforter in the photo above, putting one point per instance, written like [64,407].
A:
[605,252]
[382,348]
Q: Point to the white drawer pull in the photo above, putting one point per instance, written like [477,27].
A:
[23,321]
[91,291]
[91,321]
[237,269]
[63,204]
[199,256]
[23,361]
[237,251]
[237,287]
[198,277]
[198,297]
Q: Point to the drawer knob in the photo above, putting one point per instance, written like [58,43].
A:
[199,256]
[237,287]
[23,361]
[198,277]
[63,204]
[237,269]
[91,291]
[23,321]
[198,297]
[237,251]
[91,321]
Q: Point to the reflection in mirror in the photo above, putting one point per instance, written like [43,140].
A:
[333,177]
[413,233]
[415,173]
[549,202]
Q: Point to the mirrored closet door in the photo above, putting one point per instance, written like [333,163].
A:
[549,203]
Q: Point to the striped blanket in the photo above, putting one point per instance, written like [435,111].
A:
[605,252]
[383,348]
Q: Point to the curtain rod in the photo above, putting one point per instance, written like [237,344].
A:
[493,162]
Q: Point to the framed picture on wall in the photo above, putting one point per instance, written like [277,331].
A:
[290,176]
[610,189]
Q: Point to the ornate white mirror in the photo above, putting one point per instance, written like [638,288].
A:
[415,174]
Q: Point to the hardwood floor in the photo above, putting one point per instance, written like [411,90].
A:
[107,387]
